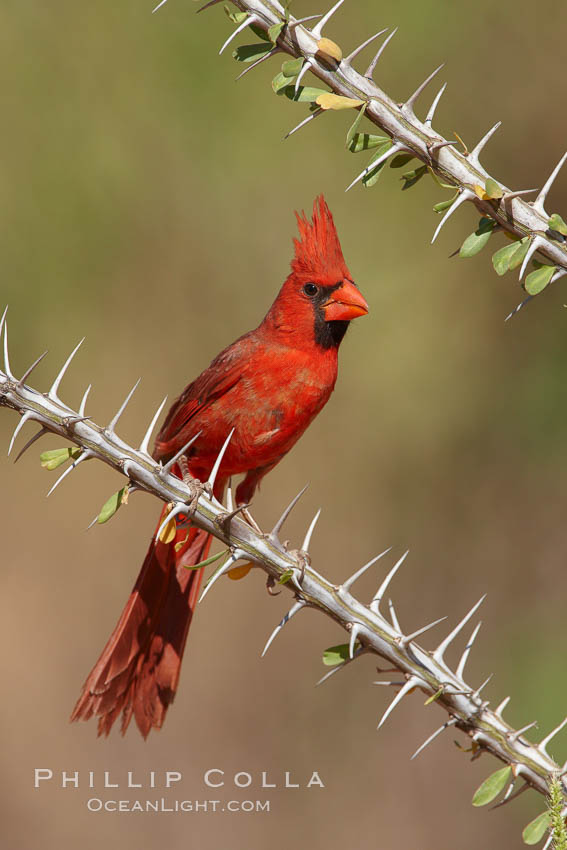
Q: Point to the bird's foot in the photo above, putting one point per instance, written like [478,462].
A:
[224,519]
[250,520]
[303,559]
[270,584]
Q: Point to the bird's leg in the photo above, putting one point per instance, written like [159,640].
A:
[303,560]
[250,519]
[224,519]
[196,487]
[270,584]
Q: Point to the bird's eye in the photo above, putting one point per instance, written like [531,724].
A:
[310,289]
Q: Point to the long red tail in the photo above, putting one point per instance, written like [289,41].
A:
[138,670]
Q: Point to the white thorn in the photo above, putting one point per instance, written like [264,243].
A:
[375,604]
[407,108]
[80,459]
[484,684]
[464,195]
[536,243]
[468,648]
[251,19]
[304,68]
[229,498]
[548,842]
[170,463]
[440,651]
[474,154]
[375,163]
[436,146]
[408,638]
[297,21]
[371,68]
[393,617]
[2,320]
[52,394]
[31,441]
[159,5]
[389,684]
[513,736]
[25,418]
[259,61]
[30,369]
[218,461]
[340,667]
[502,706]
[293,610]
[84,400]
[310,530]
[518,307]
[557,275]
[317,30]
[434,105]
[178,508]
[354,632]
[411,683]
[144,445]
[112,425]
[208,5]
[304,122]
[543,744]
[508,196]
[432,737]
[234,556]
[364,44]
[7,370]
[539,203]
[355,576]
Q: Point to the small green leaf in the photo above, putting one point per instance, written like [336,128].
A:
[493,190]
[557,223]
[538,280]
[111,506]
[354,126]
[372,176]
[250,52]
[401,159]
[413,177]
[442,206]
[285,576]
[336,655]
[491,787]
[536,829]
[275,30]
[212,576]
[279,82]
[521,250]
[235,17]
[208,561]
[477,240]
[52,459]
[292,67]
[435,696]
[259,32]
[501,259]
[304,94]
[365,142]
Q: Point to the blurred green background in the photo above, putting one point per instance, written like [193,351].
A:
[147,203]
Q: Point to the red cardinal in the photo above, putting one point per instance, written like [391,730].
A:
[268,386]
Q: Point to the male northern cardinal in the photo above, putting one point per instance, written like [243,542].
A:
[268,386]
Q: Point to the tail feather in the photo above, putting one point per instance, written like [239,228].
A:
[138,670]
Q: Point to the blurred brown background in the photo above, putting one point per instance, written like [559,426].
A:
[147,203]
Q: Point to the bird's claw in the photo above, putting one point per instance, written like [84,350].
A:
[270,584]
[303,559]
[224,519]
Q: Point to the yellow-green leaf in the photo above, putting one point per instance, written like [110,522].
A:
[538,280]
[275,30]
[336,655]
[113,504]
[292,67]
[557,223]
[251,52]
[517,257]
[365,142]
[55,457]
[328,100]
[501,259]
[536,829]
[491,787]
[330,49]
[493,190]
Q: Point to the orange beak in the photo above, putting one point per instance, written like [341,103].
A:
[344,304]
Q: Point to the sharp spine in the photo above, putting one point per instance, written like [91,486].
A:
[476,151]
[364,44]
[30,442]
[375,604]
[297,21]
[346,585]
[52,394]
[110,428]
[304,68]
[518,307]
[539,203]
[428,121]
[84,401]
[513,736]
[251,19]
[318,30]
[501,707]
[450,722]
[163,2]
[178,508]
[259,61]
[305,121]
[25,418]
[166,468]
[144,445]
[292,611]
[441,649]
[206,6]
[411,683]
[468,647]
[559,273]
[274,534]
[536,243]
[509,196]
[354,633]
[7,370]
[396,147]
[407,639]
[28,371]
[438,145]
[229,498]
[218,461]
[393,617]
[84,456]
[372,67]
[407,107]
[481,688]
[234,556]
[464,195]
[543,744]
[310,530]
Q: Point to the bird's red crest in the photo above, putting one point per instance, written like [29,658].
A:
[318,250]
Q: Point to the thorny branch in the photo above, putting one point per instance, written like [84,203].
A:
[368,628]
[462,170]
